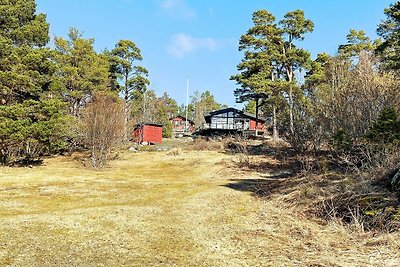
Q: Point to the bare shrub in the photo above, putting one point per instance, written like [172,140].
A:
[349,100]
[202,144]
[364,211]
[101,127]
[239,146]
[372,159]
[356,99]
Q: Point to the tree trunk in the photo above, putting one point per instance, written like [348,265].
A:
[74,107]
[275,135]
[126,109]
[126,120]
[291,110]
[274,126]
[257,116]
[290,94]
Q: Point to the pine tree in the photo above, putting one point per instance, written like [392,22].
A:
[387,127]
[389,30]
[270,60]
[33,119]
[81,71]
[132,77]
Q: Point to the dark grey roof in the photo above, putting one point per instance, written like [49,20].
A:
[225,110]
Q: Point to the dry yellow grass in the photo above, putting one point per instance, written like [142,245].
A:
[154,209]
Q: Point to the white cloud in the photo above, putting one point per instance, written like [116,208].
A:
[178,8]
[183,44]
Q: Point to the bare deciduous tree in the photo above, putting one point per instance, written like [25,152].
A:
[349,99]
[102,127]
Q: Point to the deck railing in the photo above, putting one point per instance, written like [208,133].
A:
[222,126]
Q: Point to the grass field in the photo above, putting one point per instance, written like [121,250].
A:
[154,209]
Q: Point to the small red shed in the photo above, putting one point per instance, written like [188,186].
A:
[148,132]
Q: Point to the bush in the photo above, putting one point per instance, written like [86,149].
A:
[342,141]
[387,127]
[32,129]
[201,144]
[102,127]
[239,146]
[308,134]
[167,130]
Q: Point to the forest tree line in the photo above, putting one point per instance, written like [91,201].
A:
[338,113]
[341,100]
[69,96]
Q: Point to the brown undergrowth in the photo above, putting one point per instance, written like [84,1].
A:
[321,185]
[348,213]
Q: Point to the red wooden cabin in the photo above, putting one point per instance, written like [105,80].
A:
[148,132]
[179,124]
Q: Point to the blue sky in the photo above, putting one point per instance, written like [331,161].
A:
[198,39]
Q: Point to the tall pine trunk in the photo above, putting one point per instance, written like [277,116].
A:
[126,108]
[291,110]
[257,106]
[126,119]
[290,94]
[275,134]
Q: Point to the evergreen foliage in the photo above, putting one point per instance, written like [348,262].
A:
[80,70]
[200,105]
[129,77]
[250,107]
[43,91]
[357,43]
[33,119]
[389,30]
[387,127]
[342,141]
[270,61]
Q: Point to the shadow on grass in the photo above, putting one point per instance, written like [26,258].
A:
[26,163]
[277,169]
[265,186]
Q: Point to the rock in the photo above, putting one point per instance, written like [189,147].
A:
[145,143]
[395,181]
[132,149]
